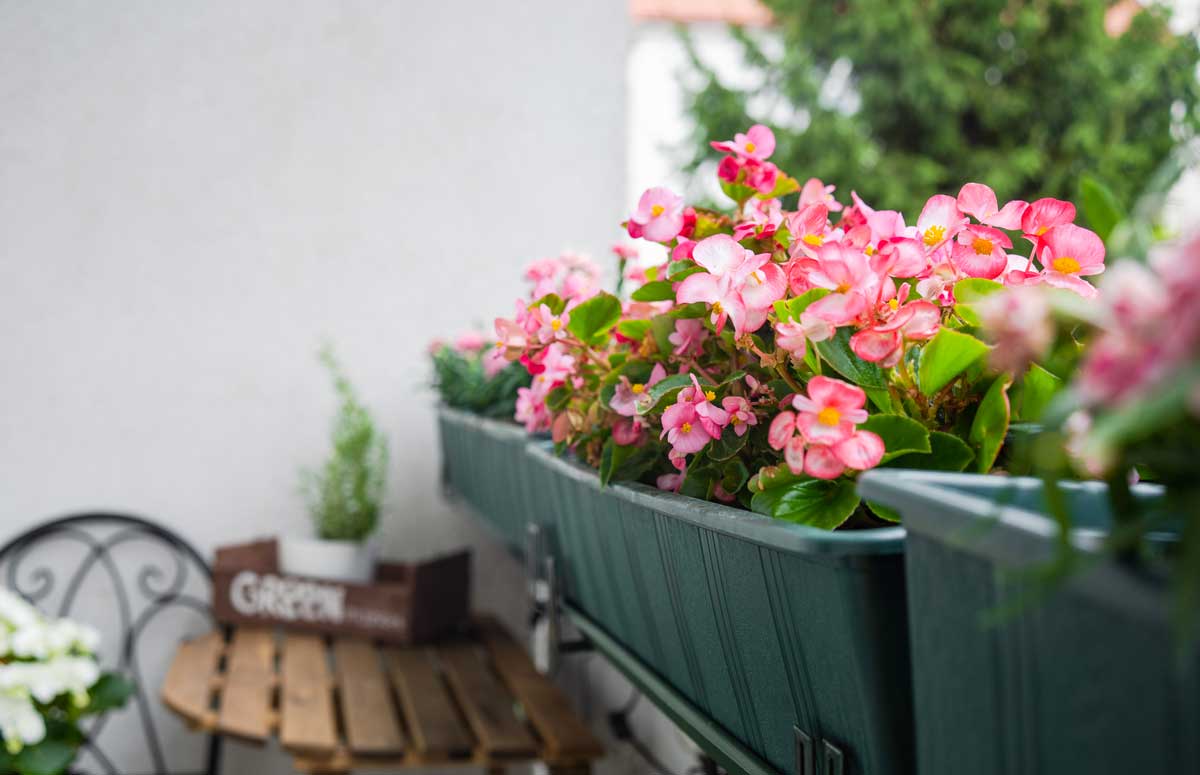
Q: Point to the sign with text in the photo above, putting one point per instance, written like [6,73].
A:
[407,603]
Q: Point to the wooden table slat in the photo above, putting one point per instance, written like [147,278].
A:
[485,703]
[563,732]
[188,687]
[249,683]
[369,717]
[434,724]
[307,721]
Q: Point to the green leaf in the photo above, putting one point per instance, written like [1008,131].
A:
[728,445]
[659,290]
[697,309]
[820,503]
[611,456]
[558,398]
[551,300]
[111,691]
[665,388]
[1038,387]
[968,292]
[883,512]
[1100,206]
[736,191]
[991,424]
[792,308]
[901,435]
[49,757]
[662,326]
[945,357]
[634,329]
[947,453]
[683,268]
[593,319]
[837,353]
[734,475]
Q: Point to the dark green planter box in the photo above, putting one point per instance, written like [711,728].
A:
[484,462]
[762,625]
[1084,680]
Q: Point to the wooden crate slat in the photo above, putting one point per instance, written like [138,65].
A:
[436,729]
[188,687]
[562,731]
[307,722]
[486,704]
[369,717]
[249,682]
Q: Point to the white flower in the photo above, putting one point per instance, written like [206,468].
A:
[47,680]
[20,722]
[16,612]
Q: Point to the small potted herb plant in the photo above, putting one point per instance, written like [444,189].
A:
[343,495]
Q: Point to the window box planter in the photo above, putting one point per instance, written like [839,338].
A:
[763,626]
[1085,680]
[484,463]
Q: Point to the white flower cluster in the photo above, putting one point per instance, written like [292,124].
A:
[41,659]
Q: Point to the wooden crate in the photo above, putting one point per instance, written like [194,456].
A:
[407,603]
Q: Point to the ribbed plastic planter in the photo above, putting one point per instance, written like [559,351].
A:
[762,625]
[484,462]
[1087,679]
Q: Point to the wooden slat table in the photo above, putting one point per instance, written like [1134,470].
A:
[341,704]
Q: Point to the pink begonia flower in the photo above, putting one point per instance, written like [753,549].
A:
[551,327]
[762,177]
[531,410]
[659,214]
[688,337]
[556,366]
[940,220]
[815,192]
[1043,215]
[692,421]
[1069,253]
[741,415]
[511,338]
[739,284]
[470,342]
[809,227]
[979,201]
[816,440]
[792,337]
[624,251]
[757,143]
[683,249]
[830,411]
[1019,323]
[629,432]
[631,399]
[669,482]
[763,219]
[902,257]
[883,342]
[979,251]
[722,495]
[729,169]
[494,362]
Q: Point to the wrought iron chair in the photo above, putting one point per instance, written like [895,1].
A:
[144,572]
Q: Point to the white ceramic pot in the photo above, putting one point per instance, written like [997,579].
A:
[336,560]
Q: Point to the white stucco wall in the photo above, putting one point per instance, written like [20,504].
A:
[194,195]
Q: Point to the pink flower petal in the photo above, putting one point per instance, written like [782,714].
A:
[793,455]
[781,430]
[874,345]
[861,451]
[977,200]
[822,463]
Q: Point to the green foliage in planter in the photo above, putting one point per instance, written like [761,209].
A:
[462,383]
[344,495]
[1023,96]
